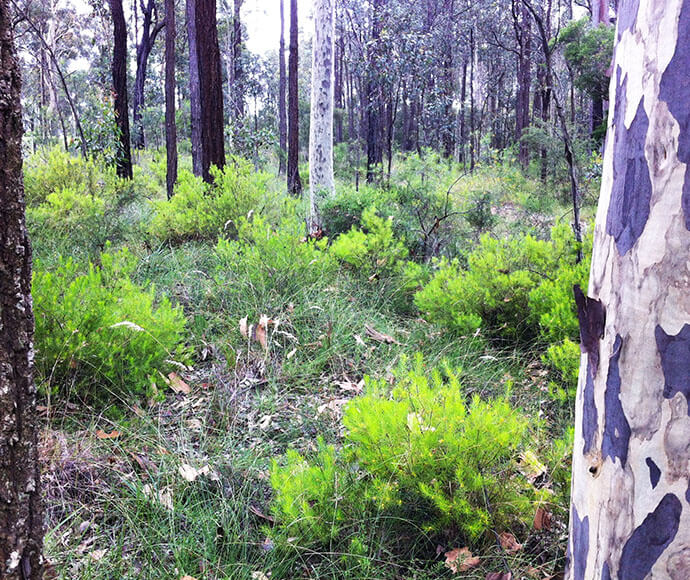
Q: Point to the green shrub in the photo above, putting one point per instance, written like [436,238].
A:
[202,211]
[416,455]
[76,206]
[493,292]
[99,336]
[374,250]
[519,288]
[343,211]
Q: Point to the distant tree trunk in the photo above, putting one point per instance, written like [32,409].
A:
[119,68]
[294,182]
[374,96]
[148,38]
[463,113]
[170,122]
[21,515]
[338,97]
[630,516]
[600,10]
[282,114]
[238,69]
[321,180]
[206,88]
[194,88]
[472,136]
[524,38]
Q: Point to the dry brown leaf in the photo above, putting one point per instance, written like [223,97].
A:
[244,327]
[359,341]
[97,555]
[509,543]
[332,406]
[103,435]
[460,560]
[542,519]
[177,384]
[379,336]
[258,575]
[349,386]
[499,576]
[164,496]
[261,515]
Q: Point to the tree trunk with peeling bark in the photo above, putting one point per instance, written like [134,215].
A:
[282,87]
[21,515]
[321,180]
[630,515]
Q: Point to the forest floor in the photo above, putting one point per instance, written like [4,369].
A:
[179,483]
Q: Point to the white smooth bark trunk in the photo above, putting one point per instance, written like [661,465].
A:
[321,180]
[630,516]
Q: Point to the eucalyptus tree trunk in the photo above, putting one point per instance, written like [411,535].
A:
[170,121]
[21,516]
[119,70]
[206,88]
[321,180]
[630,515]
[294,183]
[282,87]
[149,33]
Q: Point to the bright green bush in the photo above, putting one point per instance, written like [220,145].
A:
[519,288]
[99,336]
[372,250]
[417,454]
[76,206]
[203,211]
[493,292]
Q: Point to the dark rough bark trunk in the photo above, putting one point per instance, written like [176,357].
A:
[170,122]
[194,88]
[630,516]
[206,85]
[148,38]
[238,69]
[294,183]
[282,114]
[21,515]
[119,68]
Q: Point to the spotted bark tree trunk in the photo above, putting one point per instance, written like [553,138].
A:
[21,516]
[630,515]
[321,181]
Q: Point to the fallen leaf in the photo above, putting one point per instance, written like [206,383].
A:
[460,560]
[261,336]
[261,515]
[291,353]
[177,384]
[244,328]
[265,422]
[359,341]
[499,576]
[349,386]
[187,577]
[332,406]
[379,336]
[542,519]
[258,575]
[509,543]
[164,496]
[97,555]
[103,435]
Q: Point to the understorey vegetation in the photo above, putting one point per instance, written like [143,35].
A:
[228,397]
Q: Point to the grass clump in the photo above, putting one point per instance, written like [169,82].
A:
[99,336]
